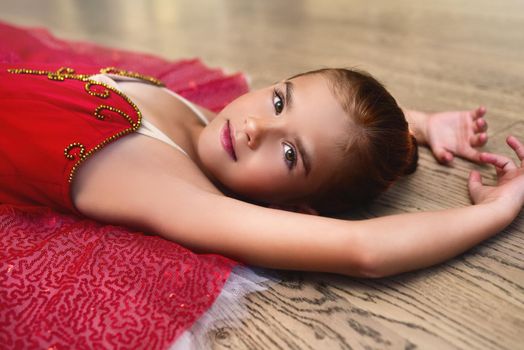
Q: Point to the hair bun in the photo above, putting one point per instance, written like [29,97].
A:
[413,156]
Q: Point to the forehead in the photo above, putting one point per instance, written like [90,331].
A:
[316,97]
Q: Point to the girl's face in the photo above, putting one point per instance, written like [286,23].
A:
[279,144]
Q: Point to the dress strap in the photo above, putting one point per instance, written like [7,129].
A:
[112,75]
[149,129]
[118,74]
[146,128]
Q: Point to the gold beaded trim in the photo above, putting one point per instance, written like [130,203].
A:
[71,147]
[125,73]
[69,73]
[99,116]
[95,149]
[60,75]
[104,94]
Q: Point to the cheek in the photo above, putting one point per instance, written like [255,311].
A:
[250,104]
[262,177]
[238,107]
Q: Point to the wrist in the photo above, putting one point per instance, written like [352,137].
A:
[513,208]
[417,122]
[506,208]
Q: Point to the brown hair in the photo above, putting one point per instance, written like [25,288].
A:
[380,150]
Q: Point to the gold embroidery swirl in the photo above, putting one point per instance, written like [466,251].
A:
[61,73]
[100,116]
[68,73]
[125,73]
[71,146]
[104,94]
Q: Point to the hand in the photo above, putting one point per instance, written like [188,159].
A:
[456,133]
[510,179]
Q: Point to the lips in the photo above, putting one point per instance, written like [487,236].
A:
[227,141]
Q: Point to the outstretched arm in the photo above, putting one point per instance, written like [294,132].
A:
[152,199]
[449,134]
[424,239]
[370,248]
[367,248]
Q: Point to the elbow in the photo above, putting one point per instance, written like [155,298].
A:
[369,266]
[365,259]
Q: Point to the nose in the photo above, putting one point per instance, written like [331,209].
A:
[258,128]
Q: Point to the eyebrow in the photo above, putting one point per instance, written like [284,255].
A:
[304,156]
[289,94]
[306,162]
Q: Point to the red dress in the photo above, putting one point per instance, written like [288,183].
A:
[70,282]
[53,119]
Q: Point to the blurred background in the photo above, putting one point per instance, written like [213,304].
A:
[422,50]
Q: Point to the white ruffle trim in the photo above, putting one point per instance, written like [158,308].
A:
[228,309]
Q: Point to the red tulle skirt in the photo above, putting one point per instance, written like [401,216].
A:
[69,282]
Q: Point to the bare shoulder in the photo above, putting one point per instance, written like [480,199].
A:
[121,182]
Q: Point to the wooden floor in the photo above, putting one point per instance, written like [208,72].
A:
[432,55]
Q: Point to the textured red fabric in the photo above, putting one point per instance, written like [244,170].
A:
[69,282]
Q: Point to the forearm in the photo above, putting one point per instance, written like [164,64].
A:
[417,124]
[405,242]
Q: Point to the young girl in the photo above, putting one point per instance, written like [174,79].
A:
[119,148]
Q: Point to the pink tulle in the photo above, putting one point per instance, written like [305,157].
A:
[207,87]
[74,283]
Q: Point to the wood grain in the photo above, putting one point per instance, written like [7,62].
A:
[432,56]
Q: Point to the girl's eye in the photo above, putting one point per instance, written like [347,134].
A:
[290,156]
[278,102]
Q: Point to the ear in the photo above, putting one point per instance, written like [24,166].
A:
[297,208]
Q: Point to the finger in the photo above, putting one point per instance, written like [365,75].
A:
[474,182]
[502,162]
[480,125]
[442,155]
[470,153]
[478,112]
[478,140]
[517,146]
[499,171]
